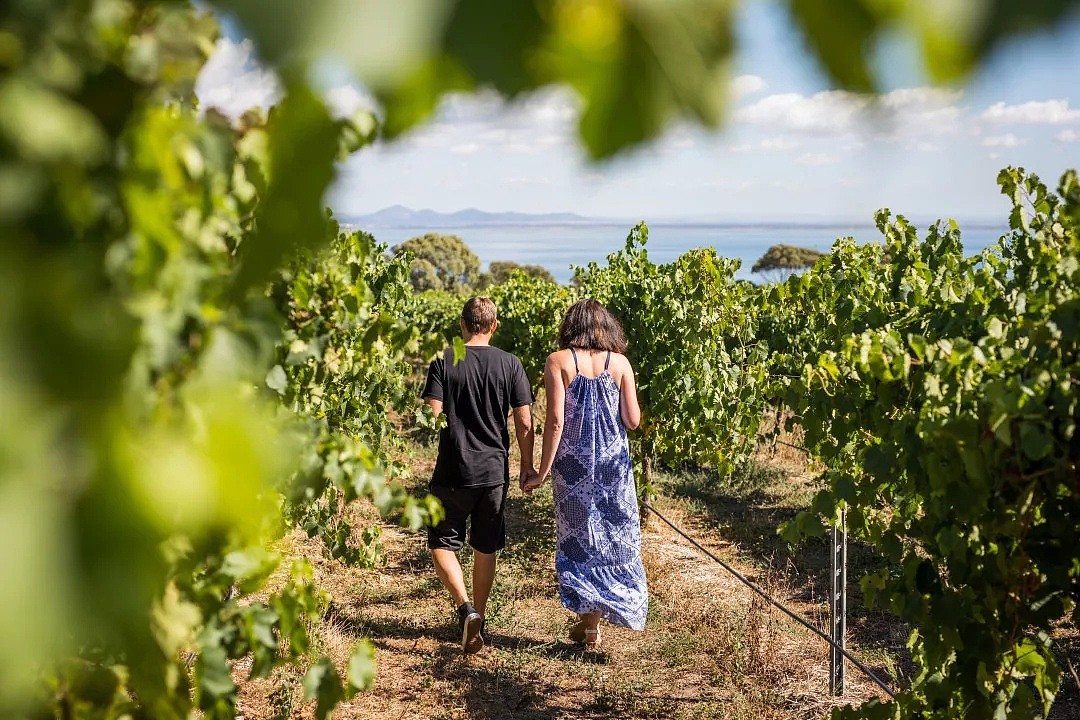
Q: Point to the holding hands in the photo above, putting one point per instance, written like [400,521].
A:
[529,480]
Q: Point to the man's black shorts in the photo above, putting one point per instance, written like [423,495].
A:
[483,505]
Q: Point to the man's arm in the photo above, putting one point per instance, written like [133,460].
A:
[523,428]
[432,393]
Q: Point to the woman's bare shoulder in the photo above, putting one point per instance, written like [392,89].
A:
[558,358]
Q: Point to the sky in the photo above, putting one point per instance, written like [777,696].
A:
[791,149]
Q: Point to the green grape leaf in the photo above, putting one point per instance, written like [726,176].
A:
[322,683]
[638,65]
[249,568]
[839,33]
[276,380]
[1027,658]
[380,40]
[303,142]
[1034,441]
[361,671]
[213,679]
[356,132]
[46,126]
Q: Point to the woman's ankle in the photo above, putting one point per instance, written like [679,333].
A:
[590,621]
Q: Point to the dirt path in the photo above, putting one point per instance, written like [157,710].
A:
[711,648]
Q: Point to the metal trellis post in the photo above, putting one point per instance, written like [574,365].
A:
[838,605]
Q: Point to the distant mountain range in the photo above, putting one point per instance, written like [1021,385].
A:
[401,216]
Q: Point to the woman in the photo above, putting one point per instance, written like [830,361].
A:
[591,402]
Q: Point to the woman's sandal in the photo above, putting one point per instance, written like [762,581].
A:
[577,632]
[582,635]
[592,639]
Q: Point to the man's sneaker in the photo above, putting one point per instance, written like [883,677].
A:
[472,623]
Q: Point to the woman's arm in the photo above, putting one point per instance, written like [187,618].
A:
[555,390]
[628,402]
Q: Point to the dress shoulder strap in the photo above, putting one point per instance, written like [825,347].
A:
[607,360]
[576,370]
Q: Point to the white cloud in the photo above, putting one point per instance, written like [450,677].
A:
[921,97]
[233,81]
[520,149]
[923,146]
[553,107]
[548,108]
[464,148]
[526,181]
[817,159]
[1068,136]
[776,144]
[679,136]
[1008,140]
[1036,112]
[745,85]
[908,110]
[780,143]
[823,112]
[918,111]
[464,124]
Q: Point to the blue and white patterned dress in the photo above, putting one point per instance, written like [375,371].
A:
[598,557]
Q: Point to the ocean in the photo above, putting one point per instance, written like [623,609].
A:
[559,247]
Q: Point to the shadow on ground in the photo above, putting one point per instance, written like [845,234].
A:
[530,525]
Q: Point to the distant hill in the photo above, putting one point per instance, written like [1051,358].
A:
[401,216]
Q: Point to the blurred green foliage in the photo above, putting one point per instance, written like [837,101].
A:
[144,437]
[140,460]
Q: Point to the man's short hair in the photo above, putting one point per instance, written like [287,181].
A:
[479,315]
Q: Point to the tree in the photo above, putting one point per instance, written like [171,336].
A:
[424,275]
[780,261]
[501,270]
[440,262]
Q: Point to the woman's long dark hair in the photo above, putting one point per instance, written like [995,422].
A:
[588,325]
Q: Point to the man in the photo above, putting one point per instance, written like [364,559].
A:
[472,472]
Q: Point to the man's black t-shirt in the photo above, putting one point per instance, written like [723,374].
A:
[477,395]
